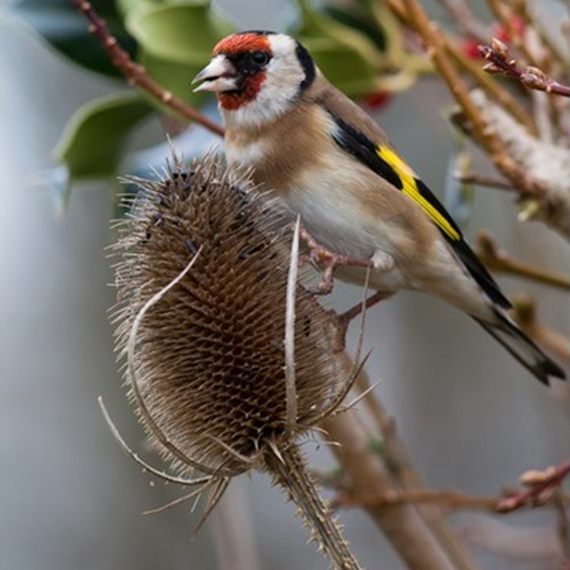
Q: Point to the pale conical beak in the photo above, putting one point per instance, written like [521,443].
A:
[218,76]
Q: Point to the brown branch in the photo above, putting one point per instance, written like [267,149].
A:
[447,499]
[550,206]
[525,316]
[397,462]
[402,525]
[482,180]
[498,261]
[544,490]
[506,17]
[500,61]
[521,9]
[471,67]
[541,486]
[136,74]
[463,16]
[492,87]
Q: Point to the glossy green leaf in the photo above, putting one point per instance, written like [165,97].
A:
[125,7]
[176,41]
[93,141]
[65,29]
[317,24]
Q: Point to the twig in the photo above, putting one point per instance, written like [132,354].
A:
[549,205]
[136,74]
[498,56]
[402,525]
[482,131]
[462,15]
[525,316]
[492,87]
[542,175]
[541,485]
[506,17]
[482,180]
[447,499]
[370,475]
[497,260]
[531,20]
[471,67]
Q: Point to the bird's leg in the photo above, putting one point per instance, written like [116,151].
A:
[321,256]
[344,319]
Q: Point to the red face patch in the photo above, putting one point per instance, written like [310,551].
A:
[232,100]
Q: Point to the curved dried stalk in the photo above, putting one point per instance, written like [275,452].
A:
[146,466]
[149,420]
[290,387]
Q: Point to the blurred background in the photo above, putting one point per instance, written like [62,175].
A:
[472,418]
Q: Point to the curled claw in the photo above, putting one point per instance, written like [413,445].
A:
[319,257]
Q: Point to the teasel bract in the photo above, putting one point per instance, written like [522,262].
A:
[229,358]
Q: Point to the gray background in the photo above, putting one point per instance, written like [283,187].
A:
[472,418]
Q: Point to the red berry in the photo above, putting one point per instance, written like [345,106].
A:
[377,100]
[470,47]
[501,33]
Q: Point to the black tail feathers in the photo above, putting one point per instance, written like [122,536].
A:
[522,348]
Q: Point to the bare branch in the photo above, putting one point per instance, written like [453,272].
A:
[137,74]
[525,316]
[498,56]
[499,261]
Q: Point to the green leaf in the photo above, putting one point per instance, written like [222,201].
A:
[65,29]
[358,47]
[175,42]
[125,7]
[351,73]
[93,141]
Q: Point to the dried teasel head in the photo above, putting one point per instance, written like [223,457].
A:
[229,358]
[209,356]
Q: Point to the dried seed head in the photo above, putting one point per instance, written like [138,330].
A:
[209,358]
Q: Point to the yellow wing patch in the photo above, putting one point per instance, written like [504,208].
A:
[410,187]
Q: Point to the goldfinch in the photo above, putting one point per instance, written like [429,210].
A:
[332,164]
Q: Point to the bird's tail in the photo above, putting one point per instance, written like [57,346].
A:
[522,348]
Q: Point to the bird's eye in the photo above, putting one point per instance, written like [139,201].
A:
[260,57]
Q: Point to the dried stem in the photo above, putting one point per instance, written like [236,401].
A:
[402,525]
[462,15]
[447,499]
[504,14]
[541,485]
[136,74]
[408,479]
[482,180]
[532,77]
[290,472]
[498,261]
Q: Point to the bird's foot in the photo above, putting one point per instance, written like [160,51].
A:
[344,319]
[319,256]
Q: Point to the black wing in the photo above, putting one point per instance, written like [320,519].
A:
[386,163]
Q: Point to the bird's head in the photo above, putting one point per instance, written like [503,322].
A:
[257,74]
